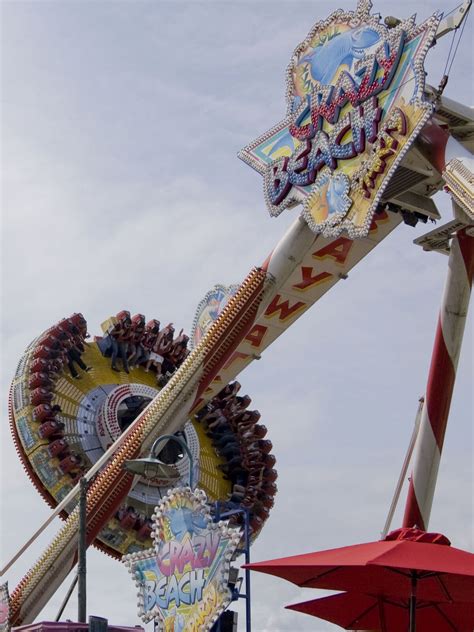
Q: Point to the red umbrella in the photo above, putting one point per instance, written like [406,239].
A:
[366,612]
[409,563]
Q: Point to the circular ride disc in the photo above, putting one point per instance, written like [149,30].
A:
[67,408]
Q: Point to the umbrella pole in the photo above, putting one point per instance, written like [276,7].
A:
[444,361]
[413,603]
[383,623]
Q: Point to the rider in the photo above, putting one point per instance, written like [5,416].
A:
[120,336]
[136,351]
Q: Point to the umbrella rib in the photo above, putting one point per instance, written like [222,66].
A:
[398,571]
[362,614]
[443,587]
[397,604]
[425,575]
[444,616]
[316,577]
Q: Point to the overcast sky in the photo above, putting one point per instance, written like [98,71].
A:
[121,122]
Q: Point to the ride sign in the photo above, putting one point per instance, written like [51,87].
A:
[183,581]
[355,104]
[4,608]
[209,309]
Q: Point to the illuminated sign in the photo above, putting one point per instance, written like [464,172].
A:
[355,104]
[4,608]
[183,580]
[209,309]
[459,178]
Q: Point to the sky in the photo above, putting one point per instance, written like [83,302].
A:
[121,188]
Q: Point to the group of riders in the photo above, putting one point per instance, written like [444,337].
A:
[240,440]
[135,342]
[233,429]
[62,345]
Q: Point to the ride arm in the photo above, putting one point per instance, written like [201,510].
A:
[454,20]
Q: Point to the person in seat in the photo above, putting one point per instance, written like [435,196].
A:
[152,329]
[120,338]
[161,347]
[136,351]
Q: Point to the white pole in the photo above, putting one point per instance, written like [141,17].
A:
[403,472]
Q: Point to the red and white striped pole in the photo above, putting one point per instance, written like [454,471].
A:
[444,361]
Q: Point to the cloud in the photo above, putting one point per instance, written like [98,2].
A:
[122,190]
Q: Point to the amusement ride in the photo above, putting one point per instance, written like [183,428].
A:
[364,146]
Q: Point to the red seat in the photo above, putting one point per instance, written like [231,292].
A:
[42,352]
[48,340]
[39,365]
[144,531]
[270,475]
[49,428]
[40,396]
[268,502]
[41,412]
[129,520]
[256,523]
[57,446]
[40,379]
[70,462]
[79,321]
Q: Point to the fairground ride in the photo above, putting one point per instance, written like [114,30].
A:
[364,146]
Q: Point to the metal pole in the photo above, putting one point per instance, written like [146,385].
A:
[66,598]
[248,610]
[81,568]
[413,603]
[444,361]
[246,550]
[403,472]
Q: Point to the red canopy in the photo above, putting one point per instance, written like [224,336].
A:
[387,567]
[367,612]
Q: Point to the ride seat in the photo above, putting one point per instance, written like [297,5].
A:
[41,395]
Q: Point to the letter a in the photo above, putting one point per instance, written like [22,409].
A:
[337,249]
[256,334]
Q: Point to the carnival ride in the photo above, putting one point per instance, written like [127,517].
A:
[427,150]
[62,425]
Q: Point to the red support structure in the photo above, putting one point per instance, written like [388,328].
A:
[444,361]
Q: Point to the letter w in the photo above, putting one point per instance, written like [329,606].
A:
[283,307]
